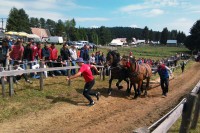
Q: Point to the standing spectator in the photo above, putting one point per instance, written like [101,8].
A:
[64,52]
[92,59]
[46,53]
[84,54]
[102,58]
[97,57]
[182,66]
[6,46]
[28,55]
[73,54]
[46,56]
[39,51]
[164,77]
[53,52]
[85,70]
[16,53]
[53,57]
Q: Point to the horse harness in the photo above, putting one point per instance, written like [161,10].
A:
[137,70]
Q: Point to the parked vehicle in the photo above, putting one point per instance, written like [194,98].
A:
[55,39]
[79,45]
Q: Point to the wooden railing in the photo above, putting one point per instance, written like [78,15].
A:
[12,73]
[188,106]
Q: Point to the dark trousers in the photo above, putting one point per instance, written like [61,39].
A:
[87,90]
[164,85]
[18,77]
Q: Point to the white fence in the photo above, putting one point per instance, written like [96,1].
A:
[187,107]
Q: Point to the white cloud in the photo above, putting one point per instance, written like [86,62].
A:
[79,19]
[130,8]
[95,26]
[182,24]
[153,13]
[133,26]
[163,2]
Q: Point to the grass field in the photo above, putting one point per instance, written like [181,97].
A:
[30,99]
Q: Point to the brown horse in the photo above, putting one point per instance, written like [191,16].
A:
[138,73]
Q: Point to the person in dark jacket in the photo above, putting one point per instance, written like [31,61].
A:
[85,54]
[64,52]
[164,77]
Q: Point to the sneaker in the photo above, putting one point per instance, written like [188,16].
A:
[28,81]
[91,104]
[97,95]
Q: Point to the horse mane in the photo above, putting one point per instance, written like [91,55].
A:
[116,57]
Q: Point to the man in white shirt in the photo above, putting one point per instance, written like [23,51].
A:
[73,54]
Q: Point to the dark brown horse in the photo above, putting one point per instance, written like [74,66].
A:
[138,73]
[117,71]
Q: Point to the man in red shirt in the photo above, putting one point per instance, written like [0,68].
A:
[16,53]
[53,52]
[85,70]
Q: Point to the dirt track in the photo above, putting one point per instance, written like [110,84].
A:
[117,113]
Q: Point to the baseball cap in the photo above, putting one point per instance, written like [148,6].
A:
[79,60]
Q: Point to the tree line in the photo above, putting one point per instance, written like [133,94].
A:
[18,21]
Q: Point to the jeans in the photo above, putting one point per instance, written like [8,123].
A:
[164,85]
[73,71]
[87,90]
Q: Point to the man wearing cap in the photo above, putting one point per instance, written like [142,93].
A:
[164,77]
[85,70]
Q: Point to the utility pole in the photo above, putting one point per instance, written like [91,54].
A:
[2,21]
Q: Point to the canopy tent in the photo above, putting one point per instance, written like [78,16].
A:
[22,34]
[11,33]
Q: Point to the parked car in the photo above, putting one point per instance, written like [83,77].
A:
[79,45]
[55,39]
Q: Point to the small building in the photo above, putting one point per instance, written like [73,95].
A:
[172,43]
[118,42]
[42,33]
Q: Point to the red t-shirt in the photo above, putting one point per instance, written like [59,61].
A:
[86,72]
[53,53]
[34,49]
[17,51]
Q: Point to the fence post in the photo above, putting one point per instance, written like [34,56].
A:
[69,73]
[11,90]
[2,83]
[187,113]
[41,76]
[196,113]
[141,130]
[101,73]
[104,72]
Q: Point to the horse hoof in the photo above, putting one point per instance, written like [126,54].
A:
[109,93]
[135,97]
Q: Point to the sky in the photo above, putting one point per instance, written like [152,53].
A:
[155,14]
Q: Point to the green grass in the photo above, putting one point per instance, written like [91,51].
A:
[30,99]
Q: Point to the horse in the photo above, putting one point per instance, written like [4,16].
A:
[138,73]
[117,72]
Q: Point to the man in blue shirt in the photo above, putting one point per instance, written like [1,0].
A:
[164,77]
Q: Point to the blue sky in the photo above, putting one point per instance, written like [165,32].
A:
[155,14]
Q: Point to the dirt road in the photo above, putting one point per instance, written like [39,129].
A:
[116,113]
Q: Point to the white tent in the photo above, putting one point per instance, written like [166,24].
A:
[116,42]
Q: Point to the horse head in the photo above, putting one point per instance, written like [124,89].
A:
[113,58]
